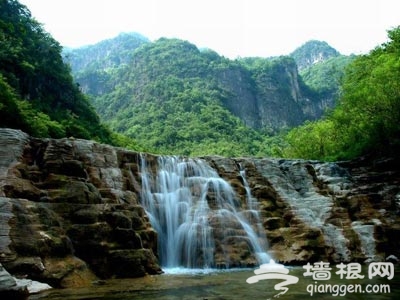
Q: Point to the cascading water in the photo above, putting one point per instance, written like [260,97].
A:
[199,219]
[253,209]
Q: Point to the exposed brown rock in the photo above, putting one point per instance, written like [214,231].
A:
[70,210]
[66,211]
[309,209]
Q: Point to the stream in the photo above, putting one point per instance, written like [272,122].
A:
[230,284]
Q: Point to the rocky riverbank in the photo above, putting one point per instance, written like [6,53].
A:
[70,209]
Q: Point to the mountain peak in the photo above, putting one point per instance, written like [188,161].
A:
[313,52]
[107,53]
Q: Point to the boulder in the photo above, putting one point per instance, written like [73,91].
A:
[9,288]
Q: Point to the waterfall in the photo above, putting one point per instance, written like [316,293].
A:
[253,208]
[365,233]
[200,221]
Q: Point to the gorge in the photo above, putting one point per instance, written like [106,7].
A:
[73,211]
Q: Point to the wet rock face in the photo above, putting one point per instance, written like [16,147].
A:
[9,288]
[70,209]
[323,211]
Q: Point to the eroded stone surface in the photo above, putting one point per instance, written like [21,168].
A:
[70,209]
[347,211]
[67,207]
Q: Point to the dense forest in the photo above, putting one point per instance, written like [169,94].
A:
[175,98]
[367,116]
[170,97]
[37,91]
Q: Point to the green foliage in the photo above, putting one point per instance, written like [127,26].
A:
[96,67]
[368,114]
[313,140]
[105,54]
[170,97]
[9,112]
[39,123]
[190,122]
[325,77]
[173,98]
[38,94]
[313,52]
[169,100]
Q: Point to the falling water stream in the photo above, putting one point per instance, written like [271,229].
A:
[200,220]
[197,214]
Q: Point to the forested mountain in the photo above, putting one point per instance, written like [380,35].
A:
[367,116]
[37,91]
[313,52]
[322,68]
[174,98]
[94,66]
[105,54]
[325,77]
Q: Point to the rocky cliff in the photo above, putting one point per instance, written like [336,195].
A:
[71,213]
[279,100]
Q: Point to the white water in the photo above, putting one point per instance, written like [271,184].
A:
[365,233]
[252,205]
[182,198]
[296,187]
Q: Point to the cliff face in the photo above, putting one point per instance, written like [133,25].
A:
[237,83]
[281,100]
[271,98]
[70,209]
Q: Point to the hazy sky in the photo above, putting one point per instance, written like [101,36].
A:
[231,27]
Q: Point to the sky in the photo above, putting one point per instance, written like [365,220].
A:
[233,28]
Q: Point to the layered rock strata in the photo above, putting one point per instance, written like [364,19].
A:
[70,209]
[345,211]
[69,212]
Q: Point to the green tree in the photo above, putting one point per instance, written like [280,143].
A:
[9,112]
[368,114]
[38,93]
